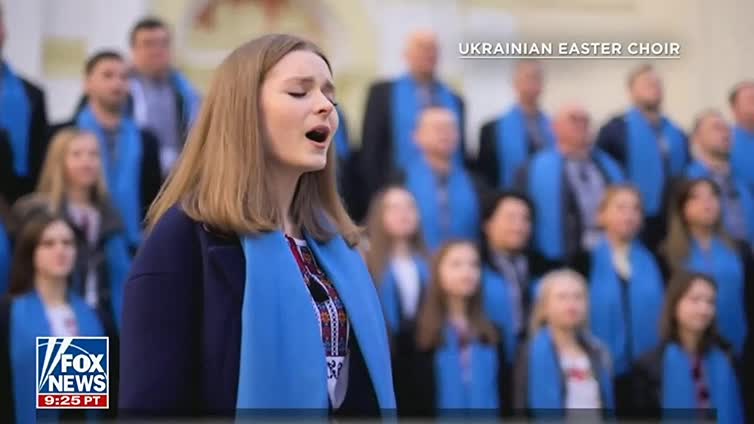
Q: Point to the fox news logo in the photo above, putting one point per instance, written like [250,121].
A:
[73,372]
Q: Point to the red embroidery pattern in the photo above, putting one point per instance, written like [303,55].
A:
[332,313]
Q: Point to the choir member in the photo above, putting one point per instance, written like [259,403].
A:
[566,184]
[697,241]
[130,157]
[711,152]
[40,304]
[742,104]
[446,194]
[626,289]
[23,119]
[73,186]
[460,367]
[507,142]
[691,376]
[162,98]
[393,109]
[510,267]
[648,145]
[563,368]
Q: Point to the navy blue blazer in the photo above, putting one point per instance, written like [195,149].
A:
[181,334]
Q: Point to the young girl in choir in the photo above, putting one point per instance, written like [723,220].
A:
[39,304]
[692,372]
[696,241]
[562,367]
[509,267]
[460,363]
[625,288]
[396,258]
[72,185]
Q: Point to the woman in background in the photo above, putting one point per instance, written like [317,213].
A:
[562,367]
[72,185]
[397,257]
[397,261]
[39,304]
[696,241]
[460,362]
[692,372]
[625,288]
[509,267]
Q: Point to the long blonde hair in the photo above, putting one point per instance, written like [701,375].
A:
[380,242]
[220,177]
[53,181]
[539,311]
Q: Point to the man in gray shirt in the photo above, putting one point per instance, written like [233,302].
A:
[574,192]
[162,100]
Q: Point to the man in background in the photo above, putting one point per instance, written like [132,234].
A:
[162,99]
[507,141]
[742,104]
[23,130]
[650,147]
[393,110]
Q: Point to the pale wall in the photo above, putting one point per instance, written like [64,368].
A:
[710,32]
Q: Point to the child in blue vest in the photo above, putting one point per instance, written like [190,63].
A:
[563,367]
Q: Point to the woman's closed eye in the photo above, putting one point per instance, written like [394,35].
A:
[299,95]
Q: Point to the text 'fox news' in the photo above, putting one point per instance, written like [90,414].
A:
[73,373]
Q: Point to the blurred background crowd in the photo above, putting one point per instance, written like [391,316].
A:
[553,263]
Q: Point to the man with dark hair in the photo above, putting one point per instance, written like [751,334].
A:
[129,156]
[649,146]
[162,99]
[742,154]
[23,128]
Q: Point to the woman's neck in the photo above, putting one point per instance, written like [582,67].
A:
[79,196]
[402,249]
[564,339]
[616,242]
[457,309]
[283,187]
[51,290]
[440,165]
[702,234]
[504,251]
[689,340]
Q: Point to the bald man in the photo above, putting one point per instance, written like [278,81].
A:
[446,195]
[742,104]
[566,183]
[394,106]
[23,129]
[711,142]
[507,142]
[648,145]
